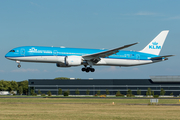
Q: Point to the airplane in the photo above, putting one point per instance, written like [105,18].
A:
[68,57]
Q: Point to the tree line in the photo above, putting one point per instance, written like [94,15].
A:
[20,87]
[149,92]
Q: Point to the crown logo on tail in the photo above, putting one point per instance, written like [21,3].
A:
[154,43]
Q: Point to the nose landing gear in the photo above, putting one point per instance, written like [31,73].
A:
[19,65]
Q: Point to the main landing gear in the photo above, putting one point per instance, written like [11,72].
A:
[88,69]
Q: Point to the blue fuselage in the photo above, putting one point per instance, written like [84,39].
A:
[33,51]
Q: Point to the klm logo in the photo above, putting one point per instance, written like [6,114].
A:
[154,46]
[32,49]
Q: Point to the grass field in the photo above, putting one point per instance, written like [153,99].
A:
[86,109]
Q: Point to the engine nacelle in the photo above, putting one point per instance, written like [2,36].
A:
[70,61]
[73,60]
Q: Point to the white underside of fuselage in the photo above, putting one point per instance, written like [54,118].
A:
[102,62]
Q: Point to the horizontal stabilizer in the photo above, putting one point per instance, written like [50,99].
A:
[160,57]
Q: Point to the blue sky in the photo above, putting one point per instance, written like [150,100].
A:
[88,24]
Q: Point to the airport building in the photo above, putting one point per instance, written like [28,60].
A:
[170,84]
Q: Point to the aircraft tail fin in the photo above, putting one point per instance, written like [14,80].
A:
[155,46]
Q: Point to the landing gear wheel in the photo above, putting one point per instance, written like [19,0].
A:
[92,69]
[87,70]
[18,66]
[83,69]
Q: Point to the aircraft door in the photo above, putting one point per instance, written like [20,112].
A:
[137,57]
[22,52]
[55,52]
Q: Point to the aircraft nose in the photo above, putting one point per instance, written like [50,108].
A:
[7,55]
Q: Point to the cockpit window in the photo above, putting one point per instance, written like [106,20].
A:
[12,51]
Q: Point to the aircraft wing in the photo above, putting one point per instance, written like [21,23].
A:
[107,53]
[160,57]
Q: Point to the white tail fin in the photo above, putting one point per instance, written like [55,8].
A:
[155,46]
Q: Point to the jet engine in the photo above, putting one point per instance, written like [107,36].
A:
[70,61]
